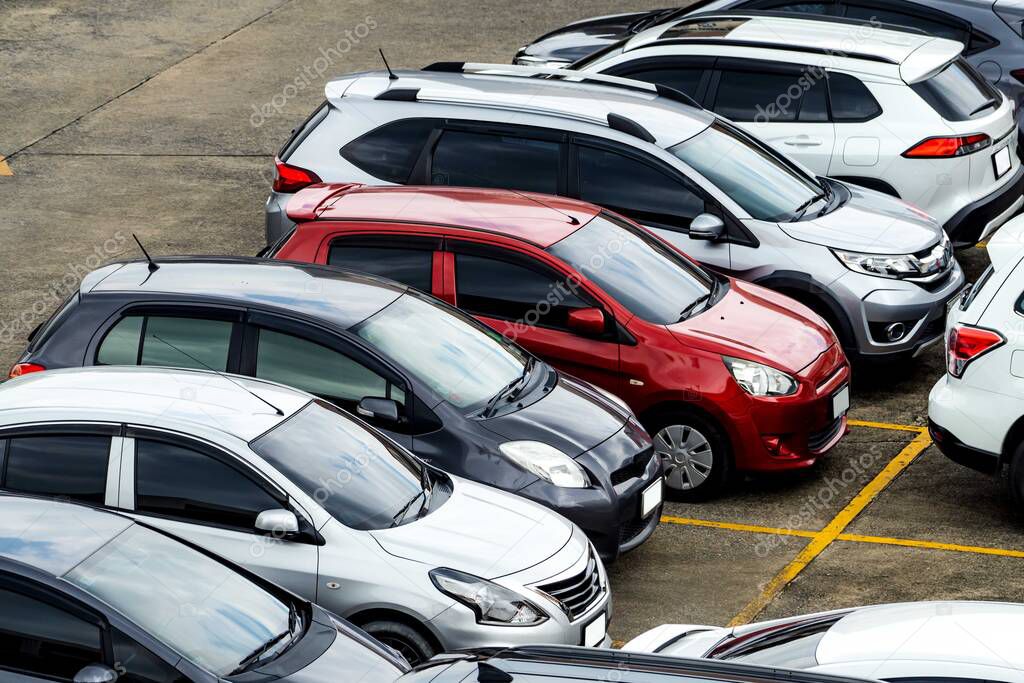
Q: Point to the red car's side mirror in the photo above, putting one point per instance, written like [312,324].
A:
[587,321]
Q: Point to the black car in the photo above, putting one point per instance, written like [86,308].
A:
[446,387]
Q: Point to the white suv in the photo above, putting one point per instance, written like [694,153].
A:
[902,113]
[976,411]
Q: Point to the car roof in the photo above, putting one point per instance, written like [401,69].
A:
[151,396]
[913,56]
[667,120]
[536,218]
[341,297]
[966,632]
[52,536]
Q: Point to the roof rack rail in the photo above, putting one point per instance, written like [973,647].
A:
[629,127]
[800,15]
[779,46]
[530,71]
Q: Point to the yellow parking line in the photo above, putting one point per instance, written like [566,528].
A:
[931,545]
[824,538]
[887,425]
[5,169]
[982,245]
[686,521]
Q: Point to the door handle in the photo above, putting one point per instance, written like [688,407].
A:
[803,141]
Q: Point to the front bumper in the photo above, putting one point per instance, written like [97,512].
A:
[610,510]
[980,219]
[277,223]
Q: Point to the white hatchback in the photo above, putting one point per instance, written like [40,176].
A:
[976,410]
[902,113]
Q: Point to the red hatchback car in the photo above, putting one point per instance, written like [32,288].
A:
[726,375]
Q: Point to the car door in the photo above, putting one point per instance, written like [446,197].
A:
[784,105]
[203,494]
[413,260]
[321,362]
[529,302]
[858,145]
[649,193]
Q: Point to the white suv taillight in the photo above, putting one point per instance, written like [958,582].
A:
[967,343]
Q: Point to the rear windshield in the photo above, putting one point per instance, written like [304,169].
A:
[958,92]
[39,335]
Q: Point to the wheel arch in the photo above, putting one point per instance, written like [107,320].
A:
[372,614]
[1014,436]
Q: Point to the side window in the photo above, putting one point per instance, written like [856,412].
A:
[413,267]
[850,99]
[319,370]
[71,466]
[390,152]
[39,639]
[505,161]
[814,101]
[683,79]
[167,341]
[633,188]
[797,7]
[933,26]
[136,664]
[186,484]
[750,96]
[508,291]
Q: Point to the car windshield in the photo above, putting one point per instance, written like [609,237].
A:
[363,480]
[638,270]
[201,608]
[762,183]
[460,359]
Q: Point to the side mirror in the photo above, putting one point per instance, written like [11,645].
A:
[96,673]
[379,408]
[278,522]
[587,321]
[707,227]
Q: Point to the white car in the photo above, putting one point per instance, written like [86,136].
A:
[976,410]
[923,642]
[902,113]
[307,496]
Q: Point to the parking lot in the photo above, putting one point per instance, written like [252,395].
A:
[162,119]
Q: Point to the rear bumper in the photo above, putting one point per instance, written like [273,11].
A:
[981,218]
[960,453]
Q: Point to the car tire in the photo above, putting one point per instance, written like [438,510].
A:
[409,642]
[1015,480]
[695,452]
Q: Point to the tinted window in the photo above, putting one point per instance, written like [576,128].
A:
[958,93]
[47,329]
[929,25]
[814,101]
[683,79]
[481,160]
[121,345]
[640,271]
[761,97]
[179,482]
[636,189]
[850,99]
[804,7]
[363,481]
[169,341]
[37,638]
[139,665]
[390,152]
[413,267]
[66,466]
[508,291]
[317,369]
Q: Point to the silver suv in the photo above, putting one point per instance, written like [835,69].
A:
[877,269]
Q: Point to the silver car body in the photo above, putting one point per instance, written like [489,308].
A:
[479,530]
[788,256]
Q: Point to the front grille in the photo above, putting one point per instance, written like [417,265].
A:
[577,593]
[818,440]
[634,469]
[632,529]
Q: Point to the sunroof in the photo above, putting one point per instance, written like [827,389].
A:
[709,28]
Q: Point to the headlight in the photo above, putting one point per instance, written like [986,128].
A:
[541,62]
[547,462]
[758,379]
[900,266]
[493,604]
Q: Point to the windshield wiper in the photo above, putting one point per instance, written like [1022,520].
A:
[692,306]
[802,209]
[510,390]
[254,657]
[428,491]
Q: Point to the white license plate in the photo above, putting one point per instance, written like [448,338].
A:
[650,499]
[593,634]
[841,401]
[1001,162]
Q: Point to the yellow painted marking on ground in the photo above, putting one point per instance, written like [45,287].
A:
[824,538]
[5,170]
[888,425]
[686,521]
[982,245]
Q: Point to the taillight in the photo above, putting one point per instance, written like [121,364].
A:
[292,178]
[19,369]
[967,343]
[945,147]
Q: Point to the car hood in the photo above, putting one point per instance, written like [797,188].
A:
[480,530]
[573,417]
[870,222]
[759,324]
[579,39]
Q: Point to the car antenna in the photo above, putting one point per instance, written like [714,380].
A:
[222,375]
[572,219]
[153,267]
[391,74]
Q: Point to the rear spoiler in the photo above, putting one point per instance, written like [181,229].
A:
[308,203]
[929,59]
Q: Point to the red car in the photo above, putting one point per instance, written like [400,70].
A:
[726,375]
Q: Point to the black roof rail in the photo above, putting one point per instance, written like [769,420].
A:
[629,126]
[399,94]
[800,15]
